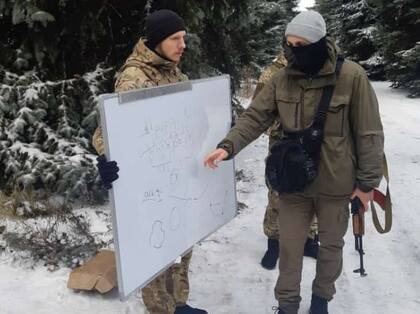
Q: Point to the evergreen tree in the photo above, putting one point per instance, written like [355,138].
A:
[399,23]
[45,129]
[43,35]
[353,24]
[358,35]
[331,11]
[49,77]
[358,27]
[382,35]
[268,24]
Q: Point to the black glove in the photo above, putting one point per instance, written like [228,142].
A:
[108,171]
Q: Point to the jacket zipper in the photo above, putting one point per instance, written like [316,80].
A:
[302,112]
[302,100]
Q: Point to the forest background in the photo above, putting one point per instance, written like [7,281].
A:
[56,57]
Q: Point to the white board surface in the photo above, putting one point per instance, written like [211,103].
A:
[165,200]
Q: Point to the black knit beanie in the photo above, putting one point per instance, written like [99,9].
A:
[160,25]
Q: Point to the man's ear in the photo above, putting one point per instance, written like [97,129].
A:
[158,48]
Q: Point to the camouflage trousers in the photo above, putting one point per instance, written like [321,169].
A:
[169,290]
[271,225]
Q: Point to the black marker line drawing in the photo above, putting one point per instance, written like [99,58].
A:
[218,209]
[153,196]
[161,166]
[175,219]
[148,150]
[157,235]
[199,195]
[173,178]
[168,137]
[146,132]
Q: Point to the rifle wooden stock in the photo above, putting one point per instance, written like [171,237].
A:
[359,223]
[358,217]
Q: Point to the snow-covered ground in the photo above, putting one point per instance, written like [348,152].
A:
[226,277]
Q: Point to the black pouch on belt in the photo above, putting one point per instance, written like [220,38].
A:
[293,162]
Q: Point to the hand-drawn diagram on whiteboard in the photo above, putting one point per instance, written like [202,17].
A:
[165,200]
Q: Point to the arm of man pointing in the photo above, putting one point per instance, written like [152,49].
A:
[249,126]
[212,159]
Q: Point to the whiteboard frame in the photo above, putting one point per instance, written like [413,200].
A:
[127,97]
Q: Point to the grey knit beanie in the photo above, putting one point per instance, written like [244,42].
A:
[309,25]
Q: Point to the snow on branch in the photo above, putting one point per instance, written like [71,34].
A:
[45,133]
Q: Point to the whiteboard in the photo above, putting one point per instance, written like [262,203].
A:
[165,200]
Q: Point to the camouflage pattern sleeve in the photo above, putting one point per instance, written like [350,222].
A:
[184,77]
[132,78]
[269,72]
[98,141]
[258,89]
[262,80]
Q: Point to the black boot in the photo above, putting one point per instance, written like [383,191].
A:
[271,256]
[186,309]
[318,305]
[311,247]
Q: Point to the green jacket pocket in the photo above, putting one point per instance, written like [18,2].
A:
[288,109]
[337,117]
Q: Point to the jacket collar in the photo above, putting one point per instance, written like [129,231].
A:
[142,55]
[326,76]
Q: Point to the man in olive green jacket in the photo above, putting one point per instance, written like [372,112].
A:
[270,224]
[351,153]
[154,62]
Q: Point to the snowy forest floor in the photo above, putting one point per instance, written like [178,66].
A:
[225,275]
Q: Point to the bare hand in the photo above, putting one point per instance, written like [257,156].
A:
[365,197]
[212,159]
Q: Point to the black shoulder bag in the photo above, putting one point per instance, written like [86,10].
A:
[293,162]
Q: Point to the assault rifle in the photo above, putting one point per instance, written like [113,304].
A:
[358,216]
[384,201]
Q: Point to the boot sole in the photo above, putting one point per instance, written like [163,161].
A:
[268,267]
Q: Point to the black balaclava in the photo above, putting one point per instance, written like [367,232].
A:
[160,25]
[310,59]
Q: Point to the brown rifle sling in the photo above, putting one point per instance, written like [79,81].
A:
[384,201]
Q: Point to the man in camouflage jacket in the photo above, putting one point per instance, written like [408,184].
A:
[153,62]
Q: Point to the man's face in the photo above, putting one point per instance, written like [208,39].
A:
[173,47]
[295,41]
